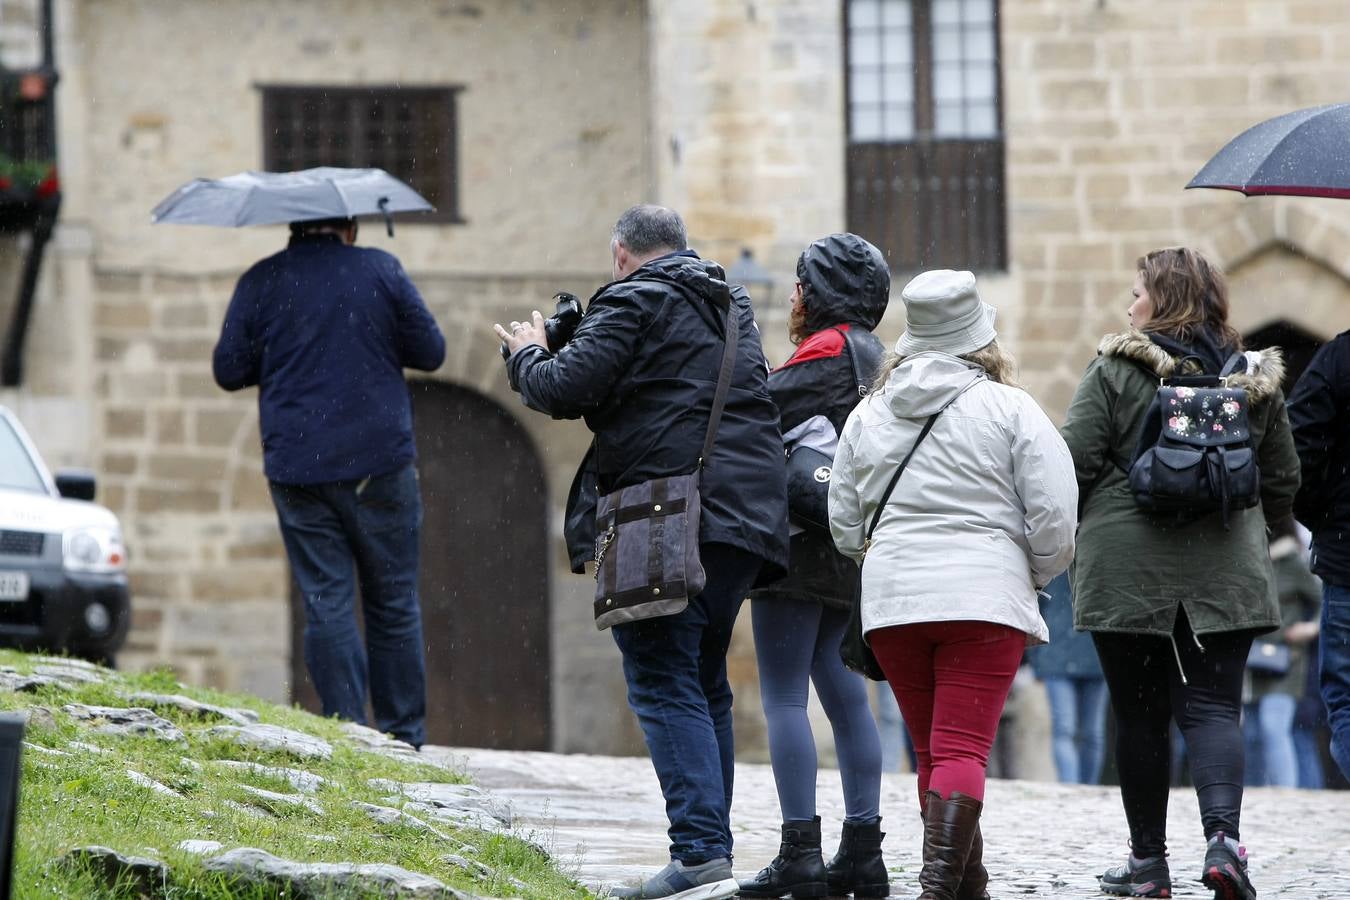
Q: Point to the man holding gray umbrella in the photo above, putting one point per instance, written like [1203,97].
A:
[324,329]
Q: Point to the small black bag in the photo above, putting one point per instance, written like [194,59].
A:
[1194,455]
[853,649]
[1268,659]
[808,487]
[808,469]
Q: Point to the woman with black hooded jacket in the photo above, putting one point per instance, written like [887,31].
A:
[843,285]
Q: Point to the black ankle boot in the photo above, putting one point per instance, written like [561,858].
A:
[858,868]
[797,870]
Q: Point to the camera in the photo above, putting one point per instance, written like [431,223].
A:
[559,327]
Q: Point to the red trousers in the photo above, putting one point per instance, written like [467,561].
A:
[951,680]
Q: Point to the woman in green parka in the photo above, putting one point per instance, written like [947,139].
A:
[1173,607]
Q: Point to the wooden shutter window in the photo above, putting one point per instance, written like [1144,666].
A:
[412,133]
[925,155]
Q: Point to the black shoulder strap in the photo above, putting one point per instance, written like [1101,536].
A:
[886,496]
[723,382]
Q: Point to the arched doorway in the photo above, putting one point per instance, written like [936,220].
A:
[484,575]
[1297,345]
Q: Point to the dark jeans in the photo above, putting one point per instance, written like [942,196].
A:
[1335,668]
[1146,693]
[676,668]
[370,526]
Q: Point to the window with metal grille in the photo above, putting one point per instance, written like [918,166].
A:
[925,131]
[412,133]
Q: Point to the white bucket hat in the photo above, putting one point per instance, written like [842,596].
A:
[943,312]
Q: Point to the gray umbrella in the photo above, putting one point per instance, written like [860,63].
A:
[269,198]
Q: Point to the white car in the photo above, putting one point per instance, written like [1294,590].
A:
[63,567]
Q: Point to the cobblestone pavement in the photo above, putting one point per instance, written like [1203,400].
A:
[604,817]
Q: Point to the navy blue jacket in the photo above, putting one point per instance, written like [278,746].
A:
[325,330]
[1319,417]
[641,370]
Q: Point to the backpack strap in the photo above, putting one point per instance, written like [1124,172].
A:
[1231,366]
[853,362]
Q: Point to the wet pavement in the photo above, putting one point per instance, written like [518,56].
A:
[604,820]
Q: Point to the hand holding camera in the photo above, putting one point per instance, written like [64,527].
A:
[551,333]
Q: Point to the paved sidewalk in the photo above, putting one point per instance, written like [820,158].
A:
[604,817]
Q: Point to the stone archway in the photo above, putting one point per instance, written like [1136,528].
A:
[484,581]
[1288,260]
[1280,283]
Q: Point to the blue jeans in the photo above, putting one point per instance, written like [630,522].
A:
[1078,727]
[1268,726]
[676,669]
[1335,667]
[1309,717]
[891,729]
[336,533]
[796,646]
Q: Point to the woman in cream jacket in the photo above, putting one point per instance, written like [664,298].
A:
[982,518]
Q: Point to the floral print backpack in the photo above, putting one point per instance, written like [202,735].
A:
[1195,456]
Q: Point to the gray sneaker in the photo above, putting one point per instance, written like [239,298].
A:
[711,880]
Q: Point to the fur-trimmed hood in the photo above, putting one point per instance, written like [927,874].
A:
[1264,375]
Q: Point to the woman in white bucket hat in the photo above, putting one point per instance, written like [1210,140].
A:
[956,549]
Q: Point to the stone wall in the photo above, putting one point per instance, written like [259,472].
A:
[1111,108]
[552,118]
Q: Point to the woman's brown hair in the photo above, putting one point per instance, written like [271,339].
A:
[1188,293]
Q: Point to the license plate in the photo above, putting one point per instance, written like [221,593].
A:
[13,586]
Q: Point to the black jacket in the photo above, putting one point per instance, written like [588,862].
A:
[1319,415]
[846,286]
[641,370]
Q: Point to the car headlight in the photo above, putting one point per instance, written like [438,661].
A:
[93,550]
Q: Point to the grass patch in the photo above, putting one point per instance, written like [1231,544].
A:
[87,798]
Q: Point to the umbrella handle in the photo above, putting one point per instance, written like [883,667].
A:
[383,204]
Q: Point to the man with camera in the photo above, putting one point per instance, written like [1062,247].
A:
[643,369]
[325,329]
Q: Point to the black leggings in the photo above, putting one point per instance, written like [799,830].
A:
[1146,693]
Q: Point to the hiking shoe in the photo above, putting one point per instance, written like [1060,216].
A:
[1138,878]
[1225,870]
[711,880]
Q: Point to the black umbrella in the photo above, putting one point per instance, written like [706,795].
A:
[1301,154]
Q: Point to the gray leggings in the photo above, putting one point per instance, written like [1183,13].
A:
[797,644]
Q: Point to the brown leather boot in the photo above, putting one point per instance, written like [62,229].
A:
[949,830]
[975,880]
